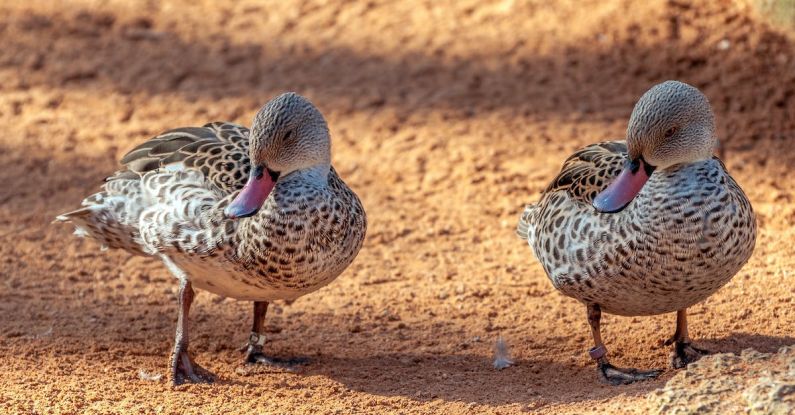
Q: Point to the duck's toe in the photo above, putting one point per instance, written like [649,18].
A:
[685,353]
[185,370]
[621,376]
[255,356]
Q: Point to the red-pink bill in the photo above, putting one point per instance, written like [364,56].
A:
[251,198]
[622,190]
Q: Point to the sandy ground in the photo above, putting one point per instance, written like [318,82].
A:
[447,117]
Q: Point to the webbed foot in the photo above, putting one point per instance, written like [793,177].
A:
[619,376]
[257,357]
[254,355]
[685,353]
[184,370]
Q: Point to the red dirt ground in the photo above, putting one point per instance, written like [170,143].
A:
[447,117]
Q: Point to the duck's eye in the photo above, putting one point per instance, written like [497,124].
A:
[670,132]
[288,134]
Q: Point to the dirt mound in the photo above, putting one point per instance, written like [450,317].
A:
[753,382]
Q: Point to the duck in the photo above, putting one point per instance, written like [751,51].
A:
[255,215]
[648,225]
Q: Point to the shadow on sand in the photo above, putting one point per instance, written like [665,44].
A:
[132,57]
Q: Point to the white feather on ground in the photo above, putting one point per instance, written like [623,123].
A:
[502,356]
[151,377]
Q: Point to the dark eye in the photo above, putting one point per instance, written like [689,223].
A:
[288,134]
[670,132]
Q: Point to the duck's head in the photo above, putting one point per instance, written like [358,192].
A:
[672,124]
[288,134]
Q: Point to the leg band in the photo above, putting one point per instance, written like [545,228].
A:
[256,339]
[597,353]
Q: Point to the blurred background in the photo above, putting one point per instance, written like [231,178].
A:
[447,117]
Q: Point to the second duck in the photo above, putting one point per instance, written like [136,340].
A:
[650,225]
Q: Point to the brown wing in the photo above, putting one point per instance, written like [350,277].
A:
[589,170]
[219,150]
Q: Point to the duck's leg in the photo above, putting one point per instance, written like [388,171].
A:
[608,372]
[683,352]
[183,369]
[256,341]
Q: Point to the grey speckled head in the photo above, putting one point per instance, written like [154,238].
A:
[671,124]
[289,133]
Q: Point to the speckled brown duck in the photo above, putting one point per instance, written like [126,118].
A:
[254,215]
[646,226]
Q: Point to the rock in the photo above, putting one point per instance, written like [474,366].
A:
[752,383]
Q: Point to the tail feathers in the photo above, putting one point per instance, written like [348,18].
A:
[79,218]
[69,216]
[526,223]
[101,224]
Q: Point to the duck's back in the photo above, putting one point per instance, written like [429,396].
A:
[687,232]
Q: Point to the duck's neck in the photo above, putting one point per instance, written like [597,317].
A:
[316,174]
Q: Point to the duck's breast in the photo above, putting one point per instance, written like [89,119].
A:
[303,238]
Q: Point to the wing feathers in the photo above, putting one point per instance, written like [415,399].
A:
[589,170]
[219,150]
